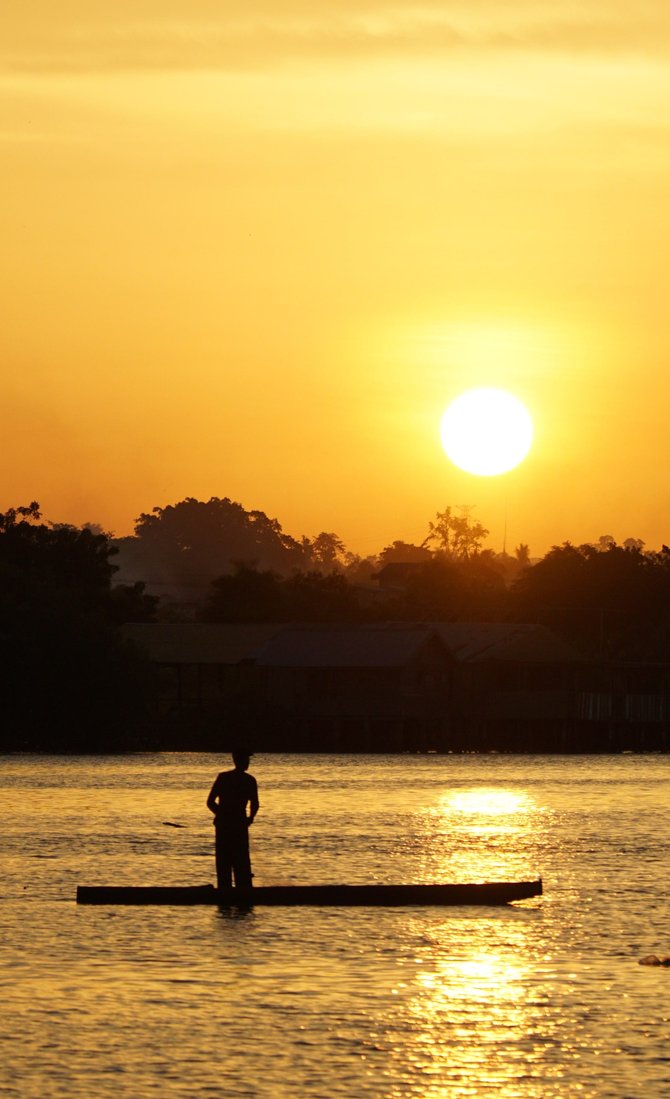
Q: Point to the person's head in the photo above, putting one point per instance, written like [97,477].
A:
[241,758]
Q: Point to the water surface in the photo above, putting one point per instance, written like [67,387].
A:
[542,998]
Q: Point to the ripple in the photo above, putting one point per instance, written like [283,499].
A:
[541,999]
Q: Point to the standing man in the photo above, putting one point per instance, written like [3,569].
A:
[228,799]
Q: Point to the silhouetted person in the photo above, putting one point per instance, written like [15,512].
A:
[228,799]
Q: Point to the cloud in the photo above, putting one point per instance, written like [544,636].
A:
[74,35]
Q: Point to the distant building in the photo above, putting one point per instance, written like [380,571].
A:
[398,574]
[408,686]
[358,687]
[205,679]
[514,689]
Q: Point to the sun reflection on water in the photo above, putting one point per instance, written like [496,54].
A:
[466,1008]
[487,811]
[481,833]
[487,802]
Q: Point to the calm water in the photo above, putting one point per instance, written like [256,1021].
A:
[544,998]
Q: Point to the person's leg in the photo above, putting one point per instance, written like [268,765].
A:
[224,866]
[242,862]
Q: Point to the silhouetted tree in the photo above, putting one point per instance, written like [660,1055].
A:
[360,570]
[522,554]
[131,603]
[615,600]
[456,535]
[12,516]
[401,552]
[328,552]
[193,542]
[69,682]
[315,597]
[247,595]
[605,542]
[445,588]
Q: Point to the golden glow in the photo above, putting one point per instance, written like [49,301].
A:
[493,352]
[481,833]
[486,431]
[476,989]
[487,803]
[474,974]
[217,216]
[479,982]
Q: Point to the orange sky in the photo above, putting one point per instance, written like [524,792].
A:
[254,249]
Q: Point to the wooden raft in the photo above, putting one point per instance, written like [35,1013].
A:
[330,895]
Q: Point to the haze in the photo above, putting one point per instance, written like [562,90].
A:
[254,250]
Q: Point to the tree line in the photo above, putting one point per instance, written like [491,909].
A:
[228,564]
[68,678]
[193,542]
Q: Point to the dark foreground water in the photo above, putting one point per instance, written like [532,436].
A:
[545,998]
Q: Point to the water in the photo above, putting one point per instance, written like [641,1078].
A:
[541,999]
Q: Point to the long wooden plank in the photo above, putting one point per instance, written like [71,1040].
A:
[331,895]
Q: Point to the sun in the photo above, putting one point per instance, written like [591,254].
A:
[486,431]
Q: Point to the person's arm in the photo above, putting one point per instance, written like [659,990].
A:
[213,797]
[254,803]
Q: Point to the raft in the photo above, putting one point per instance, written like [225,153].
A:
[345,896]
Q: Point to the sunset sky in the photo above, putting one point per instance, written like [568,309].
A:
[253,249]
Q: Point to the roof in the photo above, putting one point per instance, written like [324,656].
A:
[386,645]
[527,643]
[199,642]
[319,645]
[398,573]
